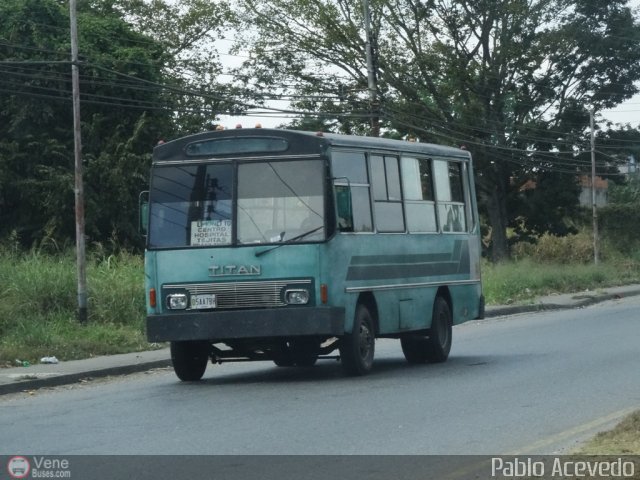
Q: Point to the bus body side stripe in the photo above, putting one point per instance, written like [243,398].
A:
[371,267]
[402,286]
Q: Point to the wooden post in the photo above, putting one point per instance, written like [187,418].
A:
[371,74]
[79,188]
[596,258]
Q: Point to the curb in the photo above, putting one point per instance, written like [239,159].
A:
[580,301]
[68,378]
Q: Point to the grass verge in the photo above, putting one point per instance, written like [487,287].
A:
[624,439]
[38,307]
[520,282]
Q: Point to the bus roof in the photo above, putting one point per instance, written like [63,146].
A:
[300,142]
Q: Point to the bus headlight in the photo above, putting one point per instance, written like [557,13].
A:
[296,297]
[177,301]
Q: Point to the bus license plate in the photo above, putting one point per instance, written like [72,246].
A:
[199,302]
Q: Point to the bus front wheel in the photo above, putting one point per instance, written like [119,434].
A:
[189,359]
[358,347]
[436,346]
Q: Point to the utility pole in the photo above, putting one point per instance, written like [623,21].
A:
[371,73]
[596,258]
[79,188]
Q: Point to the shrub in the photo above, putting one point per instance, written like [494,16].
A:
[576,248]
[619,225]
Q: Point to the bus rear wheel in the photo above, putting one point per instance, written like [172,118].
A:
[190,359]
[357,348]
[436,346]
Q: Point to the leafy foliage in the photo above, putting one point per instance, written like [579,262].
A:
[135,83]
[187,32]
[36,123]
[512,80]
[626,194]
[620,226]
[545,204]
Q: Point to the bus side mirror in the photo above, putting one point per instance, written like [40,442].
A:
[344,208]
[143,216]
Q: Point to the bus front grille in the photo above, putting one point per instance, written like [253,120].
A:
[230,295]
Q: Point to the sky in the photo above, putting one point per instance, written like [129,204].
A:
[627,112]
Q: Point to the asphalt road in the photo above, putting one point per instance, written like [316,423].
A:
[524,384]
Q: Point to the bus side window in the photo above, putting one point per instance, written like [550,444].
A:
[450,196]
[419,198]
[385,178]
[351,187]
[344,208]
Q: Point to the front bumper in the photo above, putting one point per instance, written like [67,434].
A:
[225,325]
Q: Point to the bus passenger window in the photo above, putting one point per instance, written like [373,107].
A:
[353,209]
[450,196]
[393,178]
[344,208]
[385,178]
[455,180]
[453,218]
[378,178]
[417,183]
[351,166]
[361,209]
[349,170]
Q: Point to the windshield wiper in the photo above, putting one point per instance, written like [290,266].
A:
[289,242]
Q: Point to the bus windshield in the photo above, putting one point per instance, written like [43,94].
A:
[276,201]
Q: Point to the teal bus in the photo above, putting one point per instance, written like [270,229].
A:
[289,246]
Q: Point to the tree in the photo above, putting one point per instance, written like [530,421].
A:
[189,32]
[512,80]
[544,204]
[122,118]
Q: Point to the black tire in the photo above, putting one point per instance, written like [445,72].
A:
[357,348]
[190,359]
[414,349]
[284,362]
[436,346]
[299,353]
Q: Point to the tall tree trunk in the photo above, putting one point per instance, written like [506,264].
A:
[492,190]
[496,209]
[496,203]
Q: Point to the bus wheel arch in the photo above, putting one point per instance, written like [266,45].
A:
[444,293]
[368,300]
[436,345]
[357,349]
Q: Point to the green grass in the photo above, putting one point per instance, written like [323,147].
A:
[623,439]
[522,281]
[38,307]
